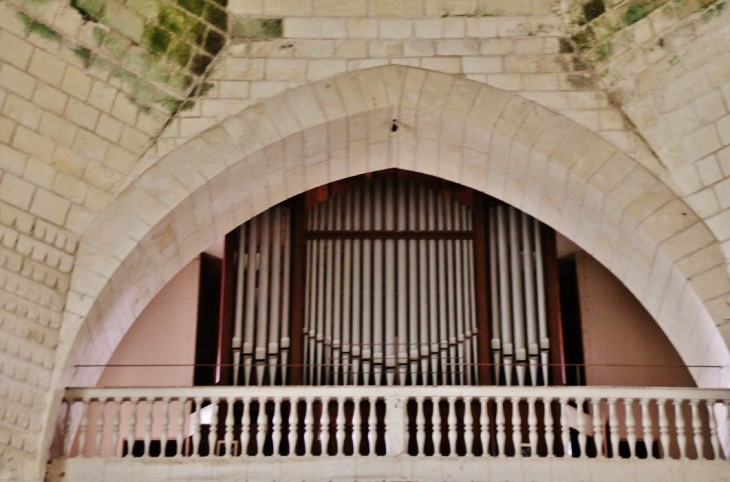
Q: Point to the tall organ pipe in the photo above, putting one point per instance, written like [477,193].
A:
[541,311]
[319,320]
[285,341]
[494,290]
[459,283]
[432,295]
[471,301]
[346,294]
[274,306]
[403,288]
[243,259]
[442,307]
[423,278]
[378,307]
[517,314]
[504,298]
[357,290]
[328,297]
[314,277]
[390,286]
[367,300]
[263,292]
[337,293]
[453,358]
[250,300]
[529,277]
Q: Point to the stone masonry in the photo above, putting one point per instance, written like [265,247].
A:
[133,133]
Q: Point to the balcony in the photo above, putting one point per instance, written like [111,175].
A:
[394,433]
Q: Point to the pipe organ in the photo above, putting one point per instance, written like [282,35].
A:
[391,279]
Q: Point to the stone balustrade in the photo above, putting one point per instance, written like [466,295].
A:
[295,421]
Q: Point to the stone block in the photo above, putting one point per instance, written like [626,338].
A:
[124,20]
[14,50]
[16,191]
[50,206]
[17,81]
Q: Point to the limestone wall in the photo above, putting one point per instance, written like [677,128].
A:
[97,97]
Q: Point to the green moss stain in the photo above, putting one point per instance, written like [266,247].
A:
[593,9]
[258,28]
[173,42]
[637,12]
[40,29]
[90,10]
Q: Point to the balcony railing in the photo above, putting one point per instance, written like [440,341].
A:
[293,421]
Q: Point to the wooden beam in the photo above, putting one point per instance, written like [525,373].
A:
[552,297]
[298,285]
[481,289]
[224,370]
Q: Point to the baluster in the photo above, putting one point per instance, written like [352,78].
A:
[372,421]
[597,427]
[516,426]
[564,428]
[697,429]
[663,428]
[308,419]
[356,427]
[484,426]
[213,431]
[324,426]
[646,426]
[164,425]
[245,425]
[293,425]
[83,427]
[436,427]
[420,426]
[67,429]
[468,427]
[340,420]
[714,440]
[228,438]
[148,426]
[100,420]
[261,420]
[501,436]
[179,436]
[451,421]
[132,427]
[547,403]
[630,426]
[679,424]
[276,433]
[532,425]
[581,426]
[115,426]
[196,426]
[613,427]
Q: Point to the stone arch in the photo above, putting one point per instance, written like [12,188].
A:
[484,138]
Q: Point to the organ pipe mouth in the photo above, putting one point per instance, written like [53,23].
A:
[394,127]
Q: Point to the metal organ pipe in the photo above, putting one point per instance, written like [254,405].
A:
[250,300]
[367,300]
[243,259]
[274,306]
[346,284]
[504,296]
[517,313]
[403,288]
[337,294]
[285,341]
[378,286]
[423,277]
[263,292]
[390,285]
[541,311]
[530,319]
[494,291]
